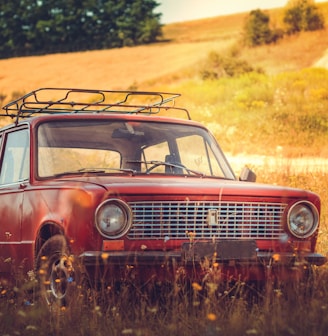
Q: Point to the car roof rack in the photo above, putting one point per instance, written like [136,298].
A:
[72,100]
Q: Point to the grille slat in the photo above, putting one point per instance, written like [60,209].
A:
[157,220]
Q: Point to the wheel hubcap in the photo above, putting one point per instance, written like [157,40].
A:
[60,276]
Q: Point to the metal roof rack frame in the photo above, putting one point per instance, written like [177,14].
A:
[72,100]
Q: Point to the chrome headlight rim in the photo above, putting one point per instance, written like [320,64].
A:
[313,211]
[125,225]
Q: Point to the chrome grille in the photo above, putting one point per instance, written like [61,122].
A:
[229,220]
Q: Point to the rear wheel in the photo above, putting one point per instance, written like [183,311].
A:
[56,273]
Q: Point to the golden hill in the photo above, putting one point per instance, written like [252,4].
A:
[184,45]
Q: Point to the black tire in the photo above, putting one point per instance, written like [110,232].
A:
[55,271]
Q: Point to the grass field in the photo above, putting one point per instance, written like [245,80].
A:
[268,120]
[205,310]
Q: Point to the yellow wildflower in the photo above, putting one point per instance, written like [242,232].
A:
[211,316]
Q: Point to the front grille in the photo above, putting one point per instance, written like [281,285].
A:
[229,220]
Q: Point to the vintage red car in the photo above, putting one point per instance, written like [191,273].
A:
[110,180]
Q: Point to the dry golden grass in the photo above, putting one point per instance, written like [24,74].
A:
[290,54]
[105,69]
[184,45]
[211,29]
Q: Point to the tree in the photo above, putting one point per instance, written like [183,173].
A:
[257,29]
[302,15]
[30,27]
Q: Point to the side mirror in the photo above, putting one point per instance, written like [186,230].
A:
[247,175]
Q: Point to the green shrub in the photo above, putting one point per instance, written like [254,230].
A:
[257,29]
[255,113]
[302,15]
[217,66]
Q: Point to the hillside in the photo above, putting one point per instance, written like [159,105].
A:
[184,45]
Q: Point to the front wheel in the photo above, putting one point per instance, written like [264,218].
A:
[56,274]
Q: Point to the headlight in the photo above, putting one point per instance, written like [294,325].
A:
[113,218]
[303,219]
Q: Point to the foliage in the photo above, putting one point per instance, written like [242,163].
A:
[303,15]
[257,29]
[217,66]
[300,15]
[255,113]
[32,27]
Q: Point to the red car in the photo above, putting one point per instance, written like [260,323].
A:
[111,181]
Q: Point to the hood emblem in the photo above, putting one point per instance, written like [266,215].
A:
[212,217]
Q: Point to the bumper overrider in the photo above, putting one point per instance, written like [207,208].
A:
[235,259]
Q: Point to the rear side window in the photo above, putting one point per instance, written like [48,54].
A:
[15,163]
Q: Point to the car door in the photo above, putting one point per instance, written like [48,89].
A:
[14,173]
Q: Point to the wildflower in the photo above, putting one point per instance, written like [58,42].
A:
[211,316]
[31,275]
[212,287]
[191,235]
[97,310]
[21,313]
[197,287]
[276,257]
[104,256]
[152,310]
[278,292]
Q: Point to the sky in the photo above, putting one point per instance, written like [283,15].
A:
[185,10]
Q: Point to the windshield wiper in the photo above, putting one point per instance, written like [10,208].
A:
[154,164]
[95,171]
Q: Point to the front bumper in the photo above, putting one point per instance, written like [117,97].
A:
[158,258]
[168,265]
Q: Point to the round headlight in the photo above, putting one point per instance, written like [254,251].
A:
[303,219]
[113,218]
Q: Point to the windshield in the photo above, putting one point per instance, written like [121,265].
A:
[137,147]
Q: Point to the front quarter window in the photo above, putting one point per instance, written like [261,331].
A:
[15,162]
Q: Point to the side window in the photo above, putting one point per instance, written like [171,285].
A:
[15,163]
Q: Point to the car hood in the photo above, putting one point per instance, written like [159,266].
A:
[191,186]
